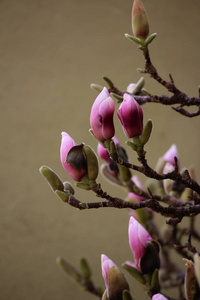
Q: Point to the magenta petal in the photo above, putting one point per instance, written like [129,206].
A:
[131,116]
[101,116]
[106,264]
[103,153]
[170,154]
[134,196]
[106,111]
[138,237]
[158,297]
[66,144]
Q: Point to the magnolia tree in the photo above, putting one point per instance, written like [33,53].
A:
[173,192]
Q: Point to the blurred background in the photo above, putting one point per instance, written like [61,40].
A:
[51,51]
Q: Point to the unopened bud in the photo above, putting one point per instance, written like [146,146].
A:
[134,273]
[96,87]
[127,295]
[189,283]
[168,183]
[85,268]
[146,133]
[64,196]
[140,24]
[69,269]
[116,283]
[150,260]
[135,88]
[159,297]
[72,157]
[52,178]
[68,187]
[92,163]
[130,115]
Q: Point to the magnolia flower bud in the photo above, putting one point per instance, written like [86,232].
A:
[170,154]
[159,297]
[138,238]
[168,183]
[106,264]
[130,88]
[140,24]
[131,116]
[103,154]
[138,184]
[101,116]
[76,168]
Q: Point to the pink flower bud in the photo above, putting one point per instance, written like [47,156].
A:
[159,297]
[138,237]
[130,263]
[67,144]
[168,168]
[131,116]
[170,154]
[106,264]
[103,154]
[168,183]
[134,196]
[101,116]
[130,88]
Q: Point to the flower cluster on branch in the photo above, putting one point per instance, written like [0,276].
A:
[172,192]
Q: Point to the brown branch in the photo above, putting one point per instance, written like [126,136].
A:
[184,178]
[181,249]
[187,113]
[175,213]
[182,99]
[178,97]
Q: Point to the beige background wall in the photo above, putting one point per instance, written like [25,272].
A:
[50,53]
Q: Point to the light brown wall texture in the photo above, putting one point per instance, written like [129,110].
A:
[51,50]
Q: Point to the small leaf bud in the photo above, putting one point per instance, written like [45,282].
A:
[68,187]
[52,178]
[64,196]
[146,133]
[92,163]
[85,268]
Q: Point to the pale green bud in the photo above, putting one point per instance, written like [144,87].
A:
[134,273]
[64,196]
[116,283]
[140,24]
[92,163]
[85,268]
[68,187]
[146,133]
[69,269]
[52,178]
[127,295]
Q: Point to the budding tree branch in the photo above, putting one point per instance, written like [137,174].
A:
[178,97]
[176,213]
[174,175]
